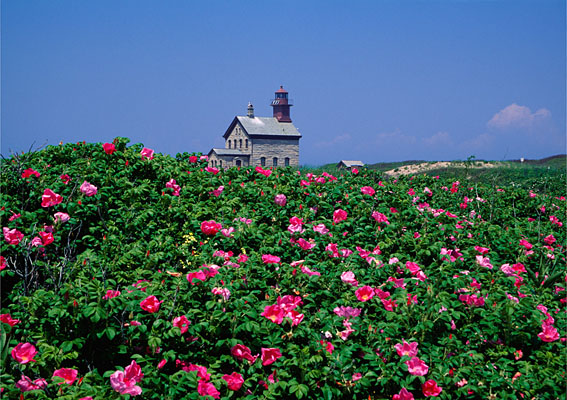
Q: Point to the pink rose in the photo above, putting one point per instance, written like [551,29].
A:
[224,292]
[270,355]
[270,259]
[406,349]
[60,217]
[205,388]
[265,172]
[25,384]
[50,198]
[124,382]
[210,228]
[243,353]
[12,236]
[280,200]
[430,388]
[403,395]
[365,293]
[7,319]
[109,148]
[111,294]
[548,333]
[182,323]
[88,189]
[150,304]
[65,178]
[379,217]
[212,170]
[201,371]
[200,275]
[69,375]
[274,313]
[417,367]
[234,381]
[348,277]
[339,215]
[321,228]
[24,353]
[173,185]
[46,238]
[147,153]
[30,172]
[217,192]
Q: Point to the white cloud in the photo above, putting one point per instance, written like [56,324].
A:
[515,116]
[482,141]
[441,138]
[336,140]
[394,137]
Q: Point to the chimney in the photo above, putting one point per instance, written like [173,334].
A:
[250,110]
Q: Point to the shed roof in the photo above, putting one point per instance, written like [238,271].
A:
[352,163]
[264,126]
[228,152]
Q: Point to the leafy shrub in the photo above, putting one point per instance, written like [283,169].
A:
[292,299]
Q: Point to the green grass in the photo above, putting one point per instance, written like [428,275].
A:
[537,175]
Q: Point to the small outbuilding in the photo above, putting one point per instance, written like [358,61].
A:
[349,164]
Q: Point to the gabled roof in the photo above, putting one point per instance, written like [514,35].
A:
[264,126]
[228,152]
[351,163]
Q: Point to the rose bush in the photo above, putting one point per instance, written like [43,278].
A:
[354,286]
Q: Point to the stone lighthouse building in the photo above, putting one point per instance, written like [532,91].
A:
[266,141]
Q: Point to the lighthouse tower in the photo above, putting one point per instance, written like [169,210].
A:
[281,105]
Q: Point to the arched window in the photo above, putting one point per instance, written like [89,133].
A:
[275,162]
[246,143]
[263,161]
[220,163]
[238,163]
[240,143]
[229,144]
[287,161]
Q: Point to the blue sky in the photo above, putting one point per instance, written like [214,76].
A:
[371,80]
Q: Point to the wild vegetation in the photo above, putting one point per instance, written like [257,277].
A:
[129,273]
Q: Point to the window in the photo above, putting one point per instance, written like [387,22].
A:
[263,161]
[238,163]
[229,144]
[240,143]
[220,163]
[275,162]
[287,161]
[246,143]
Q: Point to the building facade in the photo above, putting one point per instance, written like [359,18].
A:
[265,141]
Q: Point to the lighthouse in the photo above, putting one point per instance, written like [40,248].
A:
[251,140]
[281,105]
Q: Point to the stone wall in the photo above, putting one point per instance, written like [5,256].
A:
[221,161]
[238,140]
[279,148]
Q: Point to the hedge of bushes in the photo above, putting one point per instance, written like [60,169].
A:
[131,273]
